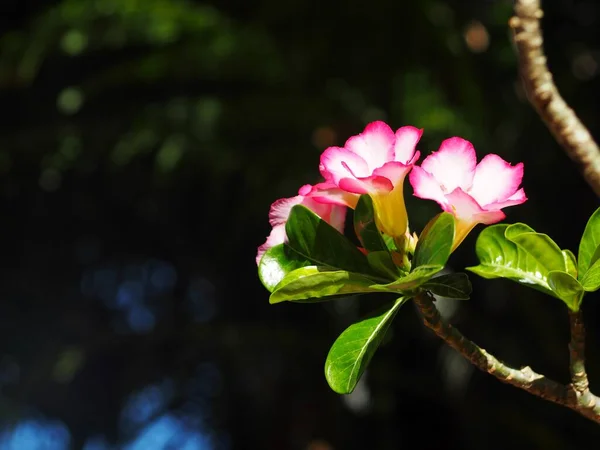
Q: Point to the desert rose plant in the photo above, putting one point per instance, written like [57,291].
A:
[307,258]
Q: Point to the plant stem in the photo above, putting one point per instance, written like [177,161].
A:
[579,377]
[524,378]
[562,121]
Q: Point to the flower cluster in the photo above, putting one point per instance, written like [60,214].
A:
[377,161]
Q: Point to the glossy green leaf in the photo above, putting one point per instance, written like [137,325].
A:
[591,279]
[353,349]
[501,258]
[538,245]
[570,263]
[313,283]
[365,227]
[435,242]
[413,280]
[276,263]
[590,242]
[595,257]
[378,256]
[382,263]
[566,288]
[318,241]
[451,285]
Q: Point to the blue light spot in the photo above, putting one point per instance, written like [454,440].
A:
[163,276]
[143,405]
[169,431]
[140,319]
[33,434]
[130,293]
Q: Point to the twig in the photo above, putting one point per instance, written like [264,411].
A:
[524,378]
[577,361]
[544,96]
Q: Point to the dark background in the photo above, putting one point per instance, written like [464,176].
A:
[141,144]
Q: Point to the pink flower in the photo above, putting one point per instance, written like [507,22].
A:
[473,193]
[313,197]
[375,162]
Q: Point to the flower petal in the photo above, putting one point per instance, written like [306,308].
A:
[329,193]
[406,141]
[453,165]
[463,205]
[427,187]
[337,163]
[276,237]
[280,209]
[393,171]
[466,208]
[375,145]
[495,180]
[516,199]
[366,185]
[333,214]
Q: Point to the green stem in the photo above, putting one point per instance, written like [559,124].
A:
[524,378]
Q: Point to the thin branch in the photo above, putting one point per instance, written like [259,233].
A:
[544,96]
[524,378]
[577,361]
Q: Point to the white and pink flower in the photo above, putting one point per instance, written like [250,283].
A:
[323,199]
[375,162]
[473,193]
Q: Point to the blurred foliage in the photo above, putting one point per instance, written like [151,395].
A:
[141,144]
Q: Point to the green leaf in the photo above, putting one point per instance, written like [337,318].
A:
[435,242]
[353,349]
[591,279]
[501,258]
[315,239]
[365,227]
[566,288]
[276,263]
[378,256]
[538,245]
[312,282]
[451,285]
[413,280]
[589,244]
[382,263]
[570,263]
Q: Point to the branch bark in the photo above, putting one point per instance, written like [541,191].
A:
[562,121]
[584,402]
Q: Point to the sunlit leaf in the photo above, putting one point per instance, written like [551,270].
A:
[353,349]
[277,262]
[315,239]
[570,262]
[413,280]
[566,288]
[435,242]
[501,258]
[589,244]
[538,245]
[591,279]
[313,283]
